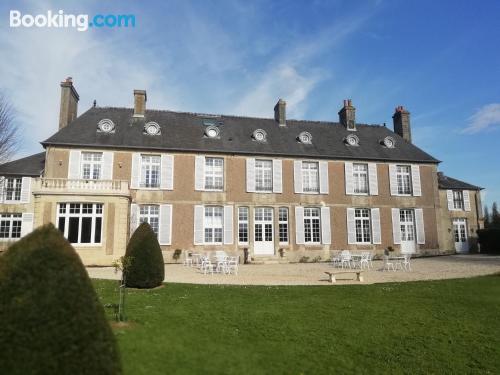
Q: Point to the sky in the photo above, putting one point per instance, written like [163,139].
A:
[440,59]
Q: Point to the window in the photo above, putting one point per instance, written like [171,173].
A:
[310,177]
[150,214]
[91,165]
[81,223]
[407,226]
[213,224]
[13,189]
[10,226]
[403,175]
[305,138]
[362,223]
[150,171]
[311,225]
[264,175]
[214,173]
[243,225]
[283,224]
[360,175]
[458,200]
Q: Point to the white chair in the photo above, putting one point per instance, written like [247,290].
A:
[336,259]
[387,264]
[406,262]
[232,265]
[345,258]
[370,258]
[188,260]
[206,266]
[365,260]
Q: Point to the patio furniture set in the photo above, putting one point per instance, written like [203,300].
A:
[209,263]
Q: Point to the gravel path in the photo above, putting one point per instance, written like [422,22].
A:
[444,267]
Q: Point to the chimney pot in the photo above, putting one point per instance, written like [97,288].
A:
[280,112]
[69,103]
[140,99]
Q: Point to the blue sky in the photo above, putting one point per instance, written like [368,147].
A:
[440,59]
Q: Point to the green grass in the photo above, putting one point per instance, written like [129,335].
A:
[450,326]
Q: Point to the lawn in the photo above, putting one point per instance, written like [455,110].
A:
[450,326]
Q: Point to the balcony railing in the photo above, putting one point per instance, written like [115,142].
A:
[63,185]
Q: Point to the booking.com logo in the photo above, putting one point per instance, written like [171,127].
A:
[79,21]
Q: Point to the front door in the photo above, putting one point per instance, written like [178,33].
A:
[263,231]
[460,235]
[407,224]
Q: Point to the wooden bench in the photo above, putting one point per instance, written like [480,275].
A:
[359,276]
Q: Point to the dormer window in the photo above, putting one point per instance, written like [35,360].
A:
[389,142]
[212,131]
[260,135]
[352,140]
[305,138]
[106,126]
[152,128]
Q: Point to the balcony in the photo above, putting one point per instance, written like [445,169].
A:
[80,187]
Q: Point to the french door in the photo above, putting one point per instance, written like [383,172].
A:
[263,231]
[407,225]
[460,235]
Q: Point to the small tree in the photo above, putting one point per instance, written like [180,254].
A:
[122,265]
[51,319]
[495,216]
[147,268]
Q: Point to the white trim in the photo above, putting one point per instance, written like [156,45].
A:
[393,181]
[167,172]
[25,190]
[326,236]
[349,177]
[351,226]
[107,165]
[94,215]
[227,223]
[299,225]
[250,169]
[198,227]
[466,198]
[372,178]
[74,165]
[449,197]
[375,224]
[135,174]
[277,176]
[415,178]
[165,224]
[396,229]
[323,177]
[297,176]
[199,173]
[419,224]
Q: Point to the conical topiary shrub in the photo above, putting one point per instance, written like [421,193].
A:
[147,269]
[51,320]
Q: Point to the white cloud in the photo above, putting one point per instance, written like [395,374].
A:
[485,118]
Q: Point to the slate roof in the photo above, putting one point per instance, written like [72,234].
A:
[181,131]
[32,165]
[445,182]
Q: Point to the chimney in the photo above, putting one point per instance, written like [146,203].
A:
[347,115]
[280,112]
[69,103]
[401,120]
[140,99]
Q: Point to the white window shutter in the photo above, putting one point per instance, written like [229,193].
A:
[27,224]
[419,223]
[326,236]
[167,172]
[250,165]
[393,180]
[351,226]
[323,177]
[107,165]
[373,178]
[349,179]
[466,200]
[74,165]
[396,227]
[26,190]
[376,233]
[415,178]
[199,173]
[136,171]
[2,184]
[277,176]
[199,216]
[449,197]
[297,177]
[134,218]
[165,225]
[228,225]
[299,225]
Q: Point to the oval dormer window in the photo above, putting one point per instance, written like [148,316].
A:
[106,126]
[212,131]
[389,142]
[152,128]
[352,140]
[260,135]
[305,138]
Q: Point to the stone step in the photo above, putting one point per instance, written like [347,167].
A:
[268,260]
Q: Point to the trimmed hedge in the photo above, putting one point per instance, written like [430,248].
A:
[489,240]
[51,320]
[147,268]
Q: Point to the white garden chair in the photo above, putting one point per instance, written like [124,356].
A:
[232,265]
[365,260]
[406,262]
[336,259]
[188,260]
[206,266]
[388,264]
[345,258]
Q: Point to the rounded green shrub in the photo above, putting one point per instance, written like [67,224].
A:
[51,320]
[147,269]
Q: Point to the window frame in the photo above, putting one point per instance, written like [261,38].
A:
[243,223]
[212,227]
[15,190]
[283,224]
[361,231]
[356,178]
[261,169]
[92,164]
[213,172]
[459,200]
[97,212]
[306,176]
[11,218]
[149,215]
[400,177]
[150,163]
[312,219]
